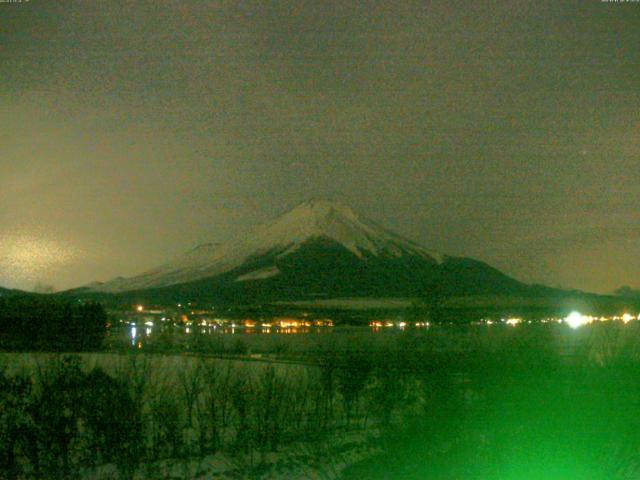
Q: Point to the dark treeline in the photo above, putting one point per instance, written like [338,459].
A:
[61,420]
[38,322]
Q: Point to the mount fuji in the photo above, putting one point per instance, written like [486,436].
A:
[318,249]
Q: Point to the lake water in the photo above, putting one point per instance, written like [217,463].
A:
[603,338]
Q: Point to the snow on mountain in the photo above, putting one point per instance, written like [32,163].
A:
[310,220]
[259,274]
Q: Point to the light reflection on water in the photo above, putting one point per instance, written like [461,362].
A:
[270,329]
[185,331]
[238,338]
[185,334]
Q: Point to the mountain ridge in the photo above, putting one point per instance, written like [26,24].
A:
[318,249]
[309,220]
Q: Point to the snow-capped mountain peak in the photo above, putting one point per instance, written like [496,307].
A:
[325,219]
[311,220]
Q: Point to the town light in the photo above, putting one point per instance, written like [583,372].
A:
[575,320]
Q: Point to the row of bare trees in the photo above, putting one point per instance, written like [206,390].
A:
[62,418]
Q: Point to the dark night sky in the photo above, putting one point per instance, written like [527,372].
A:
[131,131]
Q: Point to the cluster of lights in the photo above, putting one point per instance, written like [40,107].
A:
[511,321]
[193,318]
[575,319]
[249,324]
[402,324]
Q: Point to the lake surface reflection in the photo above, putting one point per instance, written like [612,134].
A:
[274,338]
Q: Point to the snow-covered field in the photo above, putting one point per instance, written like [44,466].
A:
[163,368]
[324,460]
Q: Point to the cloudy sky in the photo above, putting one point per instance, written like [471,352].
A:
[508,131]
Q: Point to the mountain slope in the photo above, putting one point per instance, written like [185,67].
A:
[319,249]
[309,221]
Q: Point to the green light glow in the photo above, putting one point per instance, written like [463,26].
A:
[575,320]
